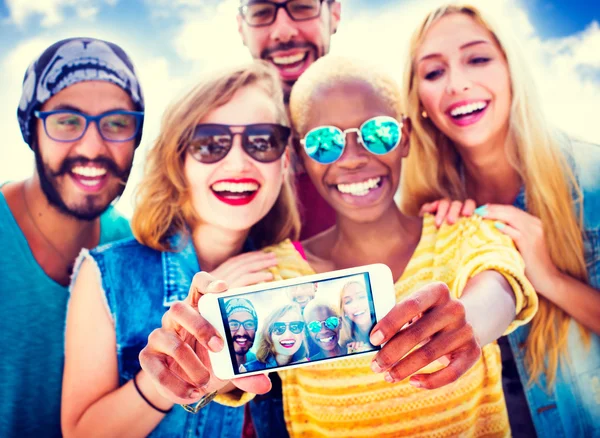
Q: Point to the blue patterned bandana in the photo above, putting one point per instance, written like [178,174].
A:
[68,62]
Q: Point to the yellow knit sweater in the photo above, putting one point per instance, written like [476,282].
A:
[346,399]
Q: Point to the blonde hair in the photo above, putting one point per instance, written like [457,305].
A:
[330,70]
[266,348]
[534,151]
[348,330]
[164,205]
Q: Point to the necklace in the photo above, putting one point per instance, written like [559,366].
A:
[66,260]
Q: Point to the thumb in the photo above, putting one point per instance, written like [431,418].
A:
[199,286]
[259,384]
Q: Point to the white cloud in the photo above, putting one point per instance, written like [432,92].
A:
[51,11]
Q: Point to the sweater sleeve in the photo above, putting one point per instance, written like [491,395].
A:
[484,248]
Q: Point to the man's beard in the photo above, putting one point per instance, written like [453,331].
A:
[89,211]
[318,52]
[249,344]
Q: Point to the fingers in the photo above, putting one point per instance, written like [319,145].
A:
[259,384]
[505,213]
[441,319]
[439,346]
[182,315]
[460,363]
[429,207]
[403,312]
[199,286]
[469,207]
[247,262]
[168,384]
[511,232]
[252,278]
[454,212]
[442,212]
[176,351]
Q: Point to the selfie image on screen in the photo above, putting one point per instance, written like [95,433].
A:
[307,322]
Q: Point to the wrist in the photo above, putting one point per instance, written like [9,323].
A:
[554,286]
[147,387]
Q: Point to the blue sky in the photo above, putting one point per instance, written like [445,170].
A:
[173,41]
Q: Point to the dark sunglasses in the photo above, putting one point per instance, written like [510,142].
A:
[265,142]
[279,327]
[379,135]
[331,323]
[264,12]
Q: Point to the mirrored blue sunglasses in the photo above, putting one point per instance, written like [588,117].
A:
[379,135]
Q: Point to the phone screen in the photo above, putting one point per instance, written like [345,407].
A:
[307,322]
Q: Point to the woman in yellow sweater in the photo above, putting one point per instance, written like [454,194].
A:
[463,284]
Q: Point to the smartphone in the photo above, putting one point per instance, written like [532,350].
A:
[298,322]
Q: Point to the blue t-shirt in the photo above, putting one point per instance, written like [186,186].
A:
[33,315]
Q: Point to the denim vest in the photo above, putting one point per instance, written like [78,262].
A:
[572,407]
[139,285]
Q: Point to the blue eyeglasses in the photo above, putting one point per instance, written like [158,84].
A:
[379,135]
[70,125]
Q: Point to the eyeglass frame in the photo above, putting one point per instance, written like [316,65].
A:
[278,6]
[139,117]
[240,324]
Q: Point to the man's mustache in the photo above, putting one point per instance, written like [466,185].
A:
[287,46]
[105,162]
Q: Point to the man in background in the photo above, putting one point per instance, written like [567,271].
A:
[291,35]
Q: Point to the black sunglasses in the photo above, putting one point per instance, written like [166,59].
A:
[264,12]
[279,327]
[264,142]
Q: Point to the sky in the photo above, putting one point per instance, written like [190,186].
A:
[172,42]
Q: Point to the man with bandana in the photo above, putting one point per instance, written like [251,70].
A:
[81,113]
[242,320]
[291,35]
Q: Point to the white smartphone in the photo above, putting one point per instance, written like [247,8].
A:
[298,322]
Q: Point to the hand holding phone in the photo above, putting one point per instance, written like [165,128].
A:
[177,354]
[426,327]
[297,322]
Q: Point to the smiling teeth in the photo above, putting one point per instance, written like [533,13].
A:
[326,340]
[359,189]
[359,313]
[288,343]
[234,187]
[89,172]
[286,60]
[467,109]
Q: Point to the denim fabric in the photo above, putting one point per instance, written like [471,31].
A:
[140,284]
[572,407]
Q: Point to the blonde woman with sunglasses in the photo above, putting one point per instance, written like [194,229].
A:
[215,190]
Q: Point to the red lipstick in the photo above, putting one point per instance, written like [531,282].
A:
[236,198]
